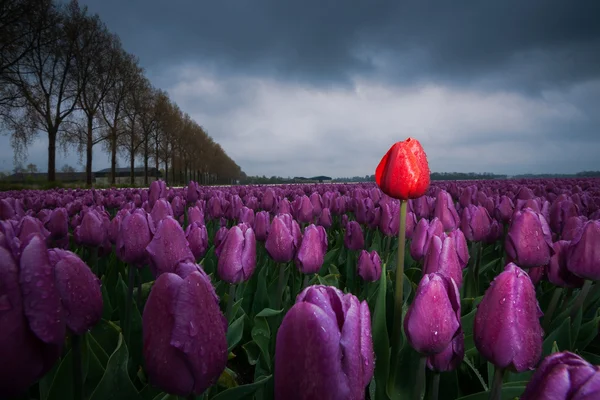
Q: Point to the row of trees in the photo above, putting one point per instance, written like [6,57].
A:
[65,75]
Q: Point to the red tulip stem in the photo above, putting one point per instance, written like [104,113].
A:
[496,391]
[399,298]
[580,298]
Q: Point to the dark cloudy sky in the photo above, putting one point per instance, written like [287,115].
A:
[326,87]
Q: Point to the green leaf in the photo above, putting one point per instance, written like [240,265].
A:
[107,309]
[562,337]
[575,326]
[268,312]
[46,382]
[252,352]
[507,393]
[261,334]
[164,396]
[381,341]
[235,308]
[329,280]
[261,297]
[235,333]
[115,384]
[244,391]
[106,335]
[62,385]
[135,344]
[587,333]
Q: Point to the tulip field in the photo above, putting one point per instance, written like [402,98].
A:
[293,292]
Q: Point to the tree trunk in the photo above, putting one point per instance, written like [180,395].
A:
[132,157]
[166,173]
[146,162]
[88,153]
[52,154]
[113,155]
[156,157]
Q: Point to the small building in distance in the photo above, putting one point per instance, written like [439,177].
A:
[64,177]
[123,176]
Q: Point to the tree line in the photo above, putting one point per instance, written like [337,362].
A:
[63,74]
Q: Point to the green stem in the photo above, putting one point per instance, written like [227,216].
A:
[477,265]
[420,384]
[139,288]
[230,301]
[305,283]
[129,300]
[280,286]
[435,387]
[567,298]
[77,367]
[552,307]
[398,299]
[496,392]
[94,261]
[580,298]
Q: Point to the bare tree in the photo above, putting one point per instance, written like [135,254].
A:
[45,79]
[112,108]
[148,120]
[97,51]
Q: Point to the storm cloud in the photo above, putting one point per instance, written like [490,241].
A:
[325,87]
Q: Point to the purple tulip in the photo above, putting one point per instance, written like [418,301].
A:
[92,231]
[237,260]
[504,210]
[475,223]
[168,247]
[529,242]
[462,249]
[389,221]
[421,207]
[354,239]
[507,330]
[422,235]
[446,212]
[325,220]
[58,223]
[197,237]
[558,273]
[317,203]
[324,347]
[160,211]
[451,357]
[433,318]
[246,215]
[29,226]
[572,226]
[268,201]
[32,331]
[158,190]
[369,266]
[79,290]
[304,209]
[134,236]
[262,223]
[583,258]
[284,238]
[214,208]
[196,215]
[312,249]
[564,376]
[185,343]
[220,236]
[442,258]
[284,207]
[192,192]
[560,212]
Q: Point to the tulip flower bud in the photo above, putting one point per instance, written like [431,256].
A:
[268,201]
[354,239]
[160,211]
[284,238]
[79,290]
[196,215]
[317,203]
[403,172]
[563,376]
[369,266]
[558,273]
[134,236]
[572,226]
[58,223]
[442,258]
[158,190]
[197,237]
[422,235]
[168,247]
[184,334]
[331,332]
[560,212]
[246,215]
[583,258]
[304,210]
[31,226]
[462,249]
[284,207]
[433,318]
[91,231]
[219,239]
[237,260]
[507,330]
[262,223]
[325,220]
[475,223]
[451,357]
[6,210]
[311,252]
[504,210]
[421,207]
[191,195]
[32,332]
[389,221]
[446,212]
[529,241]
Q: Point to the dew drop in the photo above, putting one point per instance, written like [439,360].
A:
[503,300]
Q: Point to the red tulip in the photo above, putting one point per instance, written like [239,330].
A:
[403,173]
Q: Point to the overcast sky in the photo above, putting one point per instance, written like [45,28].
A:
[317,87]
